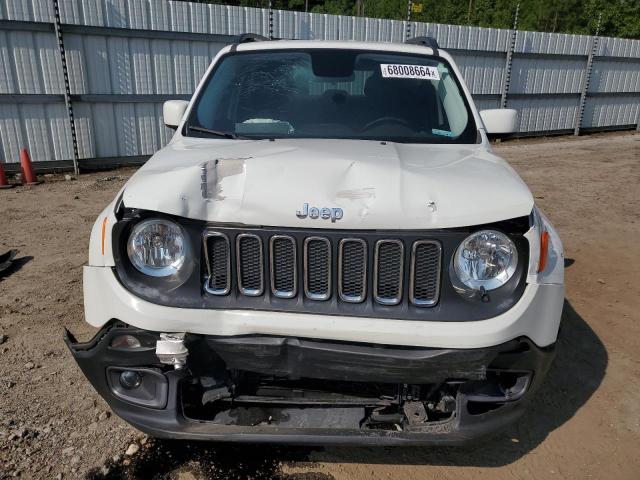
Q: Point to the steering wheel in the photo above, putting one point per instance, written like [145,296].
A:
[381,120]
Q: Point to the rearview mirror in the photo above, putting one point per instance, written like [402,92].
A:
[173,111]
[499,122]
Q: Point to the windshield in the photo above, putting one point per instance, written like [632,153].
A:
[322,93]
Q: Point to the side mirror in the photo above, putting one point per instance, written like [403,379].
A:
[173,111]
[499,122]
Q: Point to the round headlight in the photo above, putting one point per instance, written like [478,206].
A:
[157,247]
[485,259]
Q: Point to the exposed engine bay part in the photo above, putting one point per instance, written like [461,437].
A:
[215,394]
[415,412]
[269,399]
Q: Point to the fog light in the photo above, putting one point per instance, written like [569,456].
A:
[144,386]
[130,380]
[126,342]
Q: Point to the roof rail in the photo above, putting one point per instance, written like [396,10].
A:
[425,42]
[249,38]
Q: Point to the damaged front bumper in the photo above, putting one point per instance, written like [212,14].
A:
[293,390]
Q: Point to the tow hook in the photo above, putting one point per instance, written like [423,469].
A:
[170,350]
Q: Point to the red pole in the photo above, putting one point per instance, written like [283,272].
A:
[3,178]
[28,176]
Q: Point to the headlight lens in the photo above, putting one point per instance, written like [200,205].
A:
[157,247]
[485,259]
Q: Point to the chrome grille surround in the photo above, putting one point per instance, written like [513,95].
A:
[424,275]
[250,270]
[218,280]
[317,284]
[280,268]
[388,272]
[349,270]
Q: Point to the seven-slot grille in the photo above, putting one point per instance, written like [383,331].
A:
[313,256]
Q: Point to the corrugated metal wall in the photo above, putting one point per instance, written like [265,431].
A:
[126,57]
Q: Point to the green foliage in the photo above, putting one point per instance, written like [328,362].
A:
[619,18]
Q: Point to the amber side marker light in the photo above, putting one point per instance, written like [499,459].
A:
[104,232]
[544,251]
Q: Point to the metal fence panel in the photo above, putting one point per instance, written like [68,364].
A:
[42,128]
[483,103]
[611,111]
[462,37]
[538,114]
[552,43]
[125,57]
[483,73]
[619,47]
[612,74]
[7,84]
[122,129]
[31,63]
[26,10]
[538,74]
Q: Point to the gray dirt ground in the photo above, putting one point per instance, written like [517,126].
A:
[585,422]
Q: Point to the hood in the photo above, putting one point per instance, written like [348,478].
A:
[376,185]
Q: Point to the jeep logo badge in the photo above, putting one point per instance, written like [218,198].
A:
[324,213]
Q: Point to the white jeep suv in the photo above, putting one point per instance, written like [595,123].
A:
[327,251]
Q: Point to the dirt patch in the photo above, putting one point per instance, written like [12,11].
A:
[585,421]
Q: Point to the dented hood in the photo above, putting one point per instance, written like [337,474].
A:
[377,185]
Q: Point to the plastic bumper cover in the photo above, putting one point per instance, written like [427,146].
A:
[296,358]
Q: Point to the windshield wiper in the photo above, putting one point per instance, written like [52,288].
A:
[218,133]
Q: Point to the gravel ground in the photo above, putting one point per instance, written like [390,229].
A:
[584,423]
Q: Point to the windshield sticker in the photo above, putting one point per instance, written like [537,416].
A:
[444,133]
[420,72]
